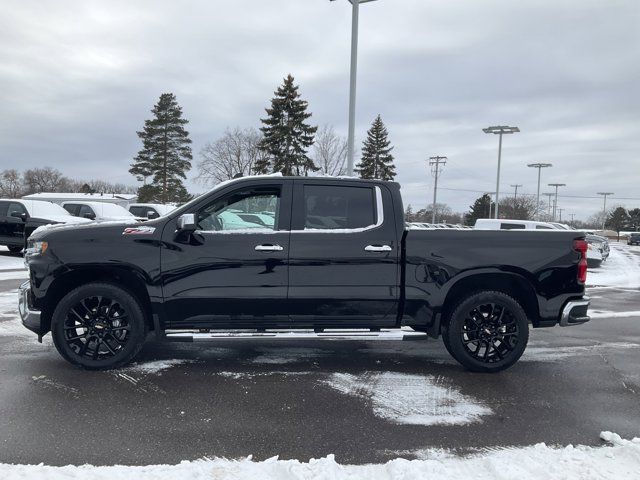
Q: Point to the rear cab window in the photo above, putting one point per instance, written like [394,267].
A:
[72,208]
[512,226]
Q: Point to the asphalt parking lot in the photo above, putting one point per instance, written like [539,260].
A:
[362,401]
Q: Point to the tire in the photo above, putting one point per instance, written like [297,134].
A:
[15,248]
[98,326]
[487,332]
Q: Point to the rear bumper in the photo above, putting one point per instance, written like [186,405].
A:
[30,316]
[575,312]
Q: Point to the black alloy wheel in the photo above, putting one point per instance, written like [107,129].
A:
[98,326]
[487,332]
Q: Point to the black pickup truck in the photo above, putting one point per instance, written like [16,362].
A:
[265,255]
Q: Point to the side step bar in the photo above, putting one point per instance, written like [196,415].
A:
[327,334]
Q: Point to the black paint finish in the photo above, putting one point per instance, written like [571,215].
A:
[318,279]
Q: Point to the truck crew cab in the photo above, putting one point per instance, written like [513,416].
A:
[298,254]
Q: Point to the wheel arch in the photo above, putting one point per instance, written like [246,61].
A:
[123,278]
[510,283]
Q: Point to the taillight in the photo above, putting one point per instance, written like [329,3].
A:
[581,247]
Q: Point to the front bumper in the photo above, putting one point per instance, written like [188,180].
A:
[30,316]
[575,312]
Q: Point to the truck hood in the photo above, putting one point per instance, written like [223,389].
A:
[63,219]
[40,232]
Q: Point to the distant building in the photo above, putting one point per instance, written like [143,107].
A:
[122,199]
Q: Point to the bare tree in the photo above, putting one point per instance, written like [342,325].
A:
[45,179]
[11,185]
[330,152]
[520,208]
[234,153]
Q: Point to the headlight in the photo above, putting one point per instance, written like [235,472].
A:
[35,248]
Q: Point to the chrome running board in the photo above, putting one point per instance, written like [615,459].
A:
[395,334]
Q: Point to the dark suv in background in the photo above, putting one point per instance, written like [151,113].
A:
[634,239]
[19,218]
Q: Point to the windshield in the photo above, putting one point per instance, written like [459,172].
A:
[41,209]
[111,210]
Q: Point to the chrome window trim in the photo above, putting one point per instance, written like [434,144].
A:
[265,231]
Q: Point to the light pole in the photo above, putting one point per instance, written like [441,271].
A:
[490,194]
[500,130]
[515,193]
[604,206]
[355,9]
[435,163]
[555,202]
[539,166]
[549,202]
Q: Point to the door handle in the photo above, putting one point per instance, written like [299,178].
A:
[377,248]
[268,248]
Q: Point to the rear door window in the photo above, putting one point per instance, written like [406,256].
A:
[328,207]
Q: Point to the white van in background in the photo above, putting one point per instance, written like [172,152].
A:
[504,224]
[598,247]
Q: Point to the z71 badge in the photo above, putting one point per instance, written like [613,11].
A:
[139,230]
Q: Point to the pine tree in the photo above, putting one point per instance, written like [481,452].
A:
[166,154]
[618,220]
[377,161]
[481,208]
[287,136]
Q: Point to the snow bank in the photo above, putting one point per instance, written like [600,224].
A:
[619,459]
[622,268]
[411,399]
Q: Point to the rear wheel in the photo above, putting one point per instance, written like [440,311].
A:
[487,332]
[98,326]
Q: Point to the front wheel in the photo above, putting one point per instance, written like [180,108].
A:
[98,326]
[487,332]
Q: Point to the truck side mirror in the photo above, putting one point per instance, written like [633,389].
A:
[187,223]
[21,215]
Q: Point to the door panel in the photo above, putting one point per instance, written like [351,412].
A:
[233,272]
[15,225]
[4,223]
[334,279]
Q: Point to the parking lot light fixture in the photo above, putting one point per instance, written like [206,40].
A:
[500,130]
[555,202]
[539,166]
[355,9]
[604,207]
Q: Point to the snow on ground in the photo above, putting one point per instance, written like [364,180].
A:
[10,324]
[10,262]
[156,366]
[621,269]
[411,399]
[619,459]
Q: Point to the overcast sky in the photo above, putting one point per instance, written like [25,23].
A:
[77,79]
